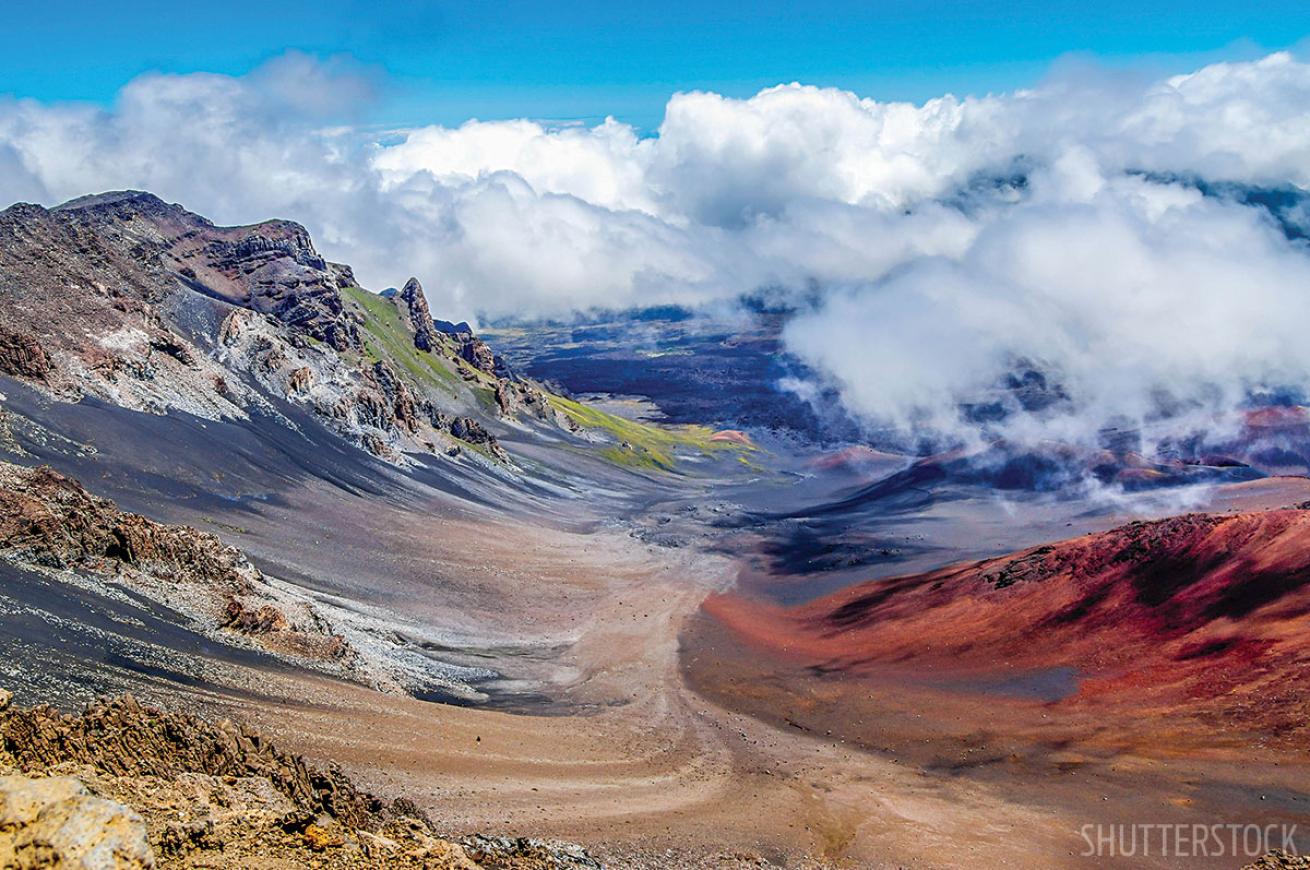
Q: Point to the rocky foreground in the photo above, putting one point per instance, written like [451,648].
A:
[127,786]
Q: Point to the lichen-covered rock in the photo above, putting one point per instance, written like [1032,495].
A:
[56,822]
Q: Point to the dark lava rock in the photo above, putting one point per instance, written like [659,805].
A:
[49,519]
[457,329]
[479,354]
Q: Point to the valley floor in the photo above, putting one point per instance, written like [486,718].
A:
[666,745]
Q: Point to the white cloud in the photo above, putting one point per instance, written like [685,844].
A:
[1133,296]
[931,283]
[604,165]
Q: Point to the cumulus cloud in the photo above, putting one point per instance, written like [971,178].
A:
[1135,299]
[933,249]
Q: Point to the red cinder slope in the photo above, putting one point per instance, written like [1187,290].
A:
[1198,612]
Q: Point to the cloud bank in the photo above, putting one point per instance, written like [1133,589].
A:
[933,250]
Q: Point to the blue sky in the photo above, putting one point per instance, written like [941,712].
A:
[445,62]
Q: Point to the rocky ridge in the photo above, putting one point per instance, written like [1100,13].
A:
[50,522]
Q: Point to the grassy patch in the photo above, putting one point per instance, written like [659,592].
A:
[386,336]
[642,445]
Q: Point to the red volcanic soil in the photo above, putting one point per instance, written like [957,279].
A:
[732,436]
[1207,615]
[856,456]
[1263,418]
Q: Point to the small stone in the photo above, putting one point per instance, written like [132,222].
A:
[320,838]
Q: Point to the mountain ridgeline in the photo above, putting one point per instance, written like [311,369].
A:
[145,305]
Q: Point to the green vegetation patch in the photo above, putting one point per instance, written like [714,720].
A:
[386,335]
[642,445]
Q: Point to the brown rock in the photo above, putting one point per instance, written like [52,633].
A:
[262,620]
[301,380]
[479,354]
[404,408]
[123,738]
[1280,860]
[22,356]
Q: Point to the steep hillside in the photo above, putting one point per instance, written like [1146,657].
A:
[146,305]
[1206,613]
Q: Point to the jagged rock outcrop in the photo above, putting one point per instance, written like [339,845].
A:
[420,318]
[478,354]
[403,408]
[270,267]
[123,738]
[88,292]
[48,519]
[470,430]
[172,789]
[150,307]
[514,397]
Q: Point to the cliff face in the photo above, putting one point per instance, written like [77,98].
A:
[420,318]
[146,305]
[270,267]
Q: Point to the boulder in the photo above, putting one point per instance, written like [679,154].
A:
[22,356]
[56,822]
